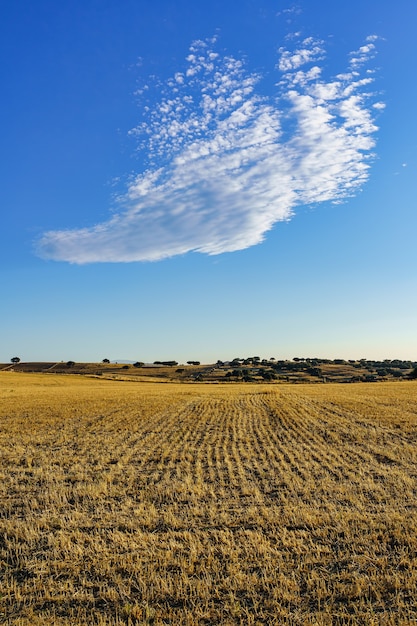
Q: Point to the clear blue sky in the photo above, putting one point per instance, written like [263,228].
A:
[185,180]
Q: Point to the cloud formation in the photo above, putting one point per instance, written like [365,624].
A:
[226,163]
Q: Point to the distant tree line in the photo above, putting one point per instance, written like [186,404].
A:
[253,368]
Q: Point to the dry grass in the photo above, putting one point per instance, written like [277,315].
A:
[130,503]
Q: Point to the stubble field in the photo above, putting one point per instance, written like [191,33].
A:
[192,504]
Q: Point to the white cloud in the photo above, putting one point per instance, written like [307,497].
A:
[226,164]
[311,51]
[364,53]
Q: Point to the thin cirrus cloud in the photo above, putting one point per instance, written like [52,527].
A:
[226,163]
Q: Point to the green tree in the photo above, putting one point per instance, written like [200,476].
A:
[15,360]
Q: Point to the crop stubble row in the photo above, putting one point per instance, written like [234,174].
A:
[126,503]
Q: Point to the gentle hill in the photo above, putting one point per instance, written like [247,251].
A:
[251,370]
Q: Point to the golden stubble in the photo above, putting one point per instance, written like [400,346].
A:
[142,503]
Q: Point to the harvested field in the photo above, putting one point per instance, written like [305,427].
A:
[145,503]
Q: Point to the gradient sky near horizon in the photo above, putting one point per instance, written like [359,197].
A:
[208,180]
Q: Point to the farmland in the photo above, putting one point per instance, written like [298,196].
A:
[126,502]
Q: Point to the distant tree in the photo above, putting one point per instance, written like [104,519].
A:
[138,364]
[70,363]
[167,363]
[106,361]
[405,365]
[15,360]
[193,362]
[413,374]
[314,371]
[125,367]
[396,373]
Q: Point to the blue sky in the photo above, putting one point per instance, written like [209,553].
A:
[202,181]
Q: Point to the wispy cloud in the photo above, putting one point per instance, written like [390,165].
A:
[226,163]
